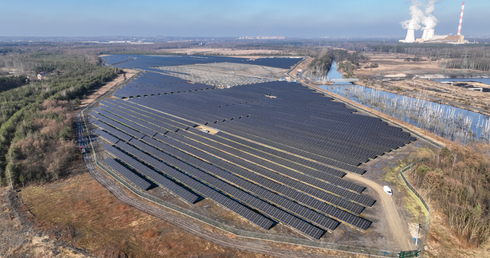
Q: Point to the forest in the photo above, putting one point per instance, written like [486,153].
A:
[457,182]
[11,82]
[36,132]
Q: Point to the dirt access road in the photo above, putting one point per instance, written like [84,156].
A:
[399,229]
[95,94]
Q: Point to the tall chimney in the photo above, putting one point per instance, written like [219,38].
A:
[410,36]
[461,20]
[424,36]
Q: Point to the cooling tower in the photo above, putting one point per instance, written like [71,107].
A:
[430,34]
[410,36]
[424,36]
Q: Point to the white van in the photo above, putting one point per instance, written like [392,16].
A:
[387,189]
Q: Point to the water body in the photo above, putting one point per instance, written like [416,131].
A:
[449,122]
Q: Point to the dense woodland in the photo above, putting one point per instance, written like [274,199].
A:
[11,82]
[36,132]
[457,182]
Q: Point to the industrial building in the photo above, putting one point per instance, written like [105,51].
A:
[429,35]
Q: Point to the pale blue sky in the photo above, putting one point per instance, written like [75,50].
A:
[219,18]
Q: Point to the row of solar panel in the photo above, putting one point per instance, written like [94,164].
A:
[272,197]
[302,160]
[245,212]
[120,118]
[136,92]
[117,125]
[130,175]
[364,200]
[112,130]
[284,155]
[151,113]
[106,136]
[151,174]
[285,162]
[300,186]
[147,120]
[145,62]
[263,181]
[237,193]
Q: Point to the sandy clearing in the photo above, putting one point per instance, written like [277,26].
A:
[92,96]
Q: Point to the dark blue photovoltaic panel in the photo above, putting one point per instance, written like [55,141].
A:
[362,199]
[136,179]
[285,203]
[106,136]
[235,192]
[154,176]
[112,130]
[253,216]
[265,181]
[144,62]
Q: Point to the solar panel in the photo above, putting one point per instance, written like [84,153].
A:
[154,176]
[131,176]
[196,185]
[235,192]
[243,184]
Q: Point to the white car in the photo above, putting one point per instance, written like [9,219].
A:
[387,189]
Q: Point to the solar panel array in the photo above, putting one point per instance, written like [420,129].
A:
[144,62]
[133,177]
[279,153]
[153,83]
[153,175]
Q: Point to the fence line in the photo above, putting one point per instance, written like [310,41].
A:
[419,196]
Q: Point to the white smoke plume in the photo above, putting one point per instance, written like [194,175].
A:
[429,20]
[417,16]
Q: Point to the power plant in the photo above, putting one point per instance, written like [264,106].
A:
[425,17]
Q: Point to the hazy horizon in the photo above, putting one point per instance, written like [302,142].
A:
[223,19]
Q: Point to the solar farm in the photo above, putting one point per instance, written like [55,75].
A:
[273,152]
